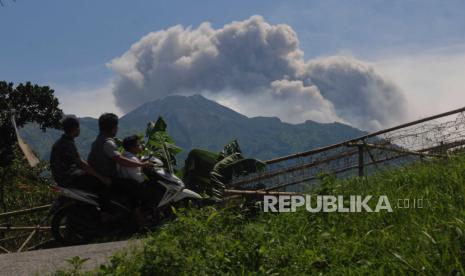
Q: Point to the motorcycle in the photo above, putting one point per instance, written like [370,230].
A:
[79,216]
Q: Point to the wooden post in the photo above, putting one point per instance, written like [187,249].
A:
[361,168]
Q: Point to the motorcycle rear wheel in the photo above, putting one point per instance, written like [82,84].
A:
[73,225]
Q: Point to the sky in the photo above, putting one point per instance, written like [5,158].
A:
[409,56]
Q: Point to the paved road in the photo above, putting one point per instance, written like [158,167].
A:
[49,260]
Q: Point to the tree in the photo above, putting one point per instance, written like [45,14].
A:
[30,104]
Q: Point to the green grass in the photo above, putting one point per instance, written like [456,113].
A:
[428,240]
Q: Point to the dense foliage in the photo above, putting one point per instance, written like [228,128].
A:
[27,187]
[428,240]
[29,103]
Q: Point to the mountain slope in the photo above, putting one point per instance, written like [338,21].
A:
[196,122]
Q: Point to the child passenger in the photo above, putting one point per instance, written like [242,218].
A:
[132,147]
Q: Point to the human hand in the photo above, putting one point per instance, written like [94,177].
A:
[147,164]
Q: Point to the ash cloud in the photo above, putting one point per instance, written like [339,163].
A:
[259,69]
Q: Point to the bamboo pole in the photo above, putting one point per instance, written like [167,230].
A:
[294,168]
[408,152]
[4,249]
[370,135]
[241,193]
[25,211]
[361,162]
[258,192]
[20,228]
[34,247]
[27,240]
[336,172]
[403,153]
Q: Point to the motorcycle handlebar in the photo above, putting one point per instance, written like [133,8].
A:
[155,161]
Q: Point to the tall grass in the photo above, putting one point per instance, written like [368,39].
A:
[428,240]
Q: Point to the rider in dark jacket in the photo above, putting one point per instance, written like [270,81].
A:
[65,161]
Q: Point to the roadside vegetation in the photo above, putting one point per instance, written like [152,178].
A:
[26,187]
[23,188]
[234,240]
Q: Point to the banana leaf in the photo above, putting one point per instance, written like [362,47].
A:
[160,143]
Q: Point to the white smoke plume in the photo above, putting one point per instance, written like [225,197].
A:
[260,70]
